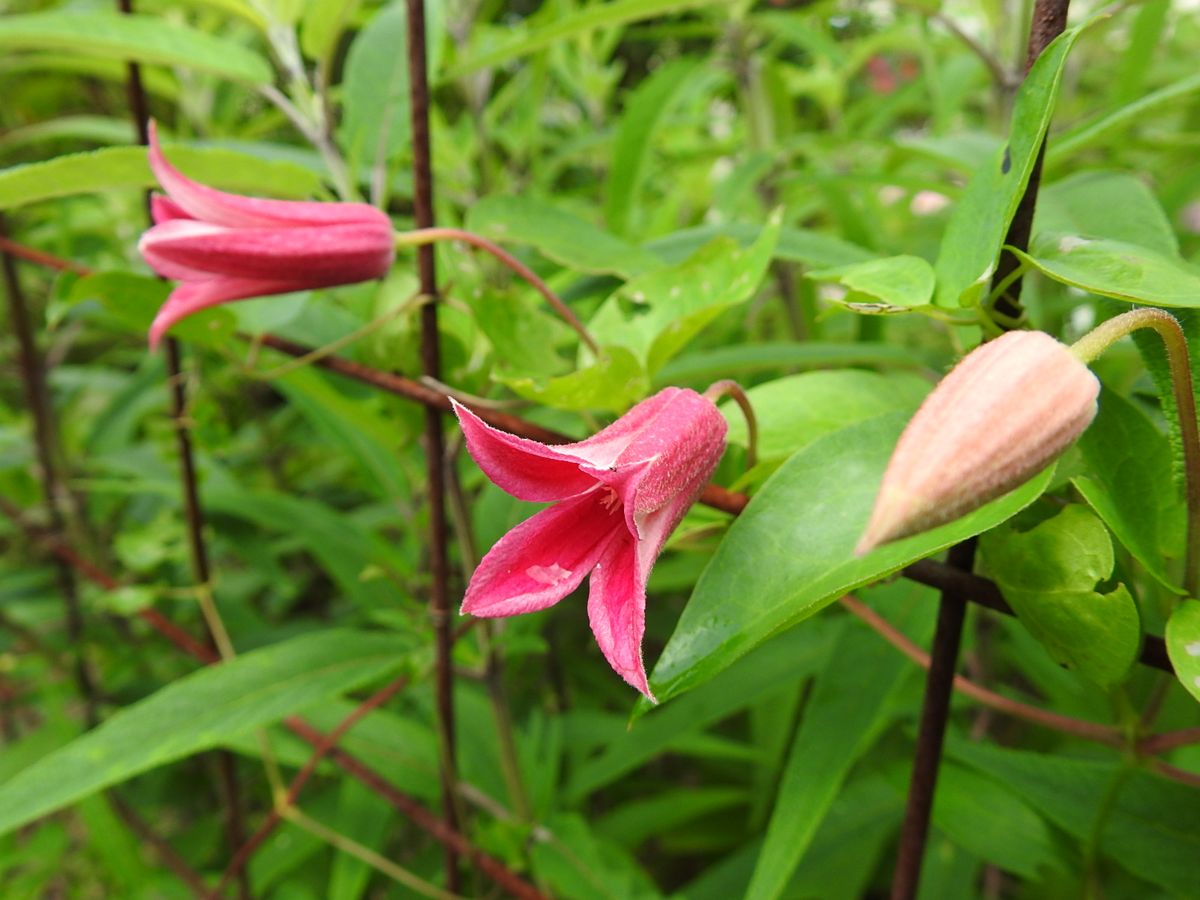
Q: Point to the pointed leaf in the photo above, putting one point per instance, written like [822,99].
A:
[1183,645]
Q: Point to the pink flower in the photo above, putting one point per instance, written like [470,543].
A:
[225,247]
[1008,410]
[618,495]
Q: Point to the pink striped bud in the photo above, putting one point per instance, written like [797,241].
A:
[224,247]
[1003,414]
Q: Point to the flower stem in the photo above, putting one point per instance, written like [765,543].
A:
[730,388]
[428,235]
[1167,327]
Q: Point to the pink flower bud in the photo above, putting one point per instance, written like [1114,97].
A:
[1001,416]
[225,247]
[616,496]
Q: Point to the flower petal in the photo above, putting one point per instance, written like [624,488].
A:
[543,559]
[164,209]
[617,611]
[604,447]
[202,202]
[193,296]
[527,469]
[319,256]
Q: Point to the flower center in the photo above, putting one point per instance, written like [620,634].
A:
[611,501]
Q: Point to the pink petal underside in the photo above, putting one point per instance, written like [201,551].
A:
[543,559]
[526,469]
[234,210]
[191,297]
[617,611]
[164,209]
[320,256]
[604,447]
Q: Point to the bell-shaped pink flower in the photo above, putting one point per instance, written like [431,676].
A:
[617,496]
[1001,416]
[224,247]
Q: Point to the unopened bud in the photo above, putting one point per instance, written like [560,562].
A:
[1002,415]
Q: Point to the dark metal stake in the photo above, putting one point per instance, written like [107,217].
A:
[435,450]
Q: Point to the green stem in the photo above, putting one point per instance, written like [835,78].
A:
[1167,327]
[429,235]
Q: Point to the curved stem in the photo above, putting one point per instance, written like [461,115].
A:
[429,235]
[1167,327]
[730,388]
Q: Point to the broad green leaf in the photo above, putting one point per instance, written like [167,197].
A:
[144,39]
[134,300]
[525,337]
[364,817]
[157,82]
[559,235]
[790,553]
[114,168]
[894,284]
[1183,644]
[1049,576]
[809,248]
[1116,269]
[724,362]
[197,712]
[93,129]
[654,316]
[615,382]
[984,816]
[644,111]
[1083,204]
[643,819]
[587,18]
[322,25]
[580,865]
[795,410]
[1149,825]
[1128,483]
[845,713]
[978,224]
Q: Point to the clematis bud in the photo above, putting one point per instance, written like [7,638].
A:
[616,496]
[224,247]
[1001,416]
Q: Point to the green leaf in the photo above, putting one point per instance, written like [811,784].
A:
[795,410]
[375,119]
[1083,204]
[1148,824]
[615,382]
[143,39]
[558,235]
[197,712]
[809,248]
[778,663]
[724,362]
[1183,645]
[790,553]
[322,25]
[1102,126]
[845,713]
[894,284]
[353,424]
[644,112]
[1128,483]
[1116,269]
[114,168]
[654,316]
[1049,575]
[971,243]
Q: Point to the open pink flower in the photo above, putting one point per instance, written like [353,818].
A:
[618,495]
[225,247]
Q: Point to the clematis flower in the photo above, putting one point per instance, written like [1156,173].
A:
[224,247]
[1009,409]
[616,497]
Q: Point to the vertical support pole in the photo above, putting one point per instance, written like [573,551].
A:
[435,451]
